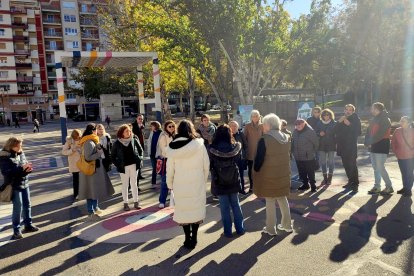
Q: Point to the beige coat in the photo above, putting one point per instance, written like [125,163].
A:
[187,172]
[252,133]
[273,178]
[162,144]
[72,150]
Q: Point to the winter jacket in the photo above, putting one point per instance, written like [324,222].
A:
[271,175]
[239,137]
[106,143]
[11,165]
[225,178]
[379,133]
[252,132]
[187,172]
[347,136]
[304,144]
[313,122]
[152,143]
[162,145]
[207,133]
[118,154]
[326,142]
[72,150]
[403,148]
[97,186]
[139,132]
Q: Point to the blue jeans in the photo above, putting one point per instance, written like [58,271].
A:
[21,206]
[164,189]
[227,201]
[327,161]
[91,205]
[378,163]
[407,175]
[154,170]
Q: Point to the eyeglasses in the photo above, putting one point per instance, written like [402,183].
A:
[171,126]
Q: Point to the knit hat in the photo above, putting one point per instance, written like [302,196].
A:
[299,121]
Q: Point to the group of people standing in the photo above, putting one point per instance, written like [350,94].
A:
[184,157]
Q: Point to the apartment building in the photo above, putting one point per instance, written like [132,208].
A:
[30,32]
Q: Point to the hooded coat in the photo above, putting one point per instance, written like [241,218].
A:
[187,172]
[223,164]
[305,144]
[72,150]
[271,173]
[96,186]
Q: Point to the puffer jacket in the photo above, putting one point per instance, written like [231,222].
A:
[304,144]
[11,165]
[117,154]
[326,142]
[72,150]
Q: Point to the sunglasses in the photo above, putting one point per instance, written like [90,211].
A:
[171,126]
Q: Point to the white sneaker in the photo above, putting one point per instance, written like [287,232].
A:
[161,206]
[266,232]
[281,228]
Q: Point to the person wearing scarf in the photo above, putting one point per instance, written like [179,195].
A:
[327,145]
[98,186]
[15,170]
[127,155]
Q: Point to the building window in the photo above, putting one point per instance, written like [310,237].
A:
[68,5]
[71,31]
[73,18]
[88,46]
[1,17]
[4,74]
[75,44]
[66,18]
[53,45]
[4,87]
[3,59]
[51,32]
[2,45]
[1,32]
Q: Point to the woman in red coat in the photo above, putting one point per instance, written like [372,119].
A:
[403,147]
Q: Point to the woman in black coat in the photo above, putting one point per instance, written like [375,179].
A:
[127,155]
[15,170]
[225,182]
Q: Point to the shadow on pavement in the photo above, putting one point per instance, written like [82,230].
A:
[355,232]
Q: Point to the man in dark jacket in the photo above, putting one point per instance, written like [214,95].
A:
[347,130]
[377,140]
[315,118]
[138,129]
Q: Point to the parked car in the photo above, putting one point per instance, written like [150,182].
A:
[81,118]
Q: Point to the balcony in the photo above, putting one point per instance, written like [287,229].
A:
[51,20]
[20,52]
[88,22]
[91,36]
[50,34]
[20,38]
[52,75]
[54,47]
[52,87]
[51,8]
[25,91]
[19,25]
[18,10]
[23,65]
[87,10]
[24,79]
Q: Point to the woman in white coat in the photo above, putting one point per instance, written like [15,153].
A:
[187,172]
[72,150]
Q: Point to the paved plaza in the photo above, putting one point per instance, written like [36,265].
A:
[336,232]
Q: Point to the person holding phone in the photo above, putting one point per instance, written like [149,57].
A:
[15,170]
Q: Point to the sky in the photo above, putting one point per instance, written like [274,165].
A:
[298,7]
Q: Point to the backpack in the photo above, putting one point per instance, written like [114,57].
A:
[225,172]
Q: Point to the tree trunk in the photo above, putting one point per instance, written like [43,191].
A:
[191,92]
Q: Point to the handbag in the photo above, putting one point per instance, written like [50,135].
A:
[161,164]
[6,193]
[86,167]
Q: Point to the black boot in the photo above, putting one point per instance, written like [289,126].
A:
[194,230]
[329,179]
[187,232]
[304,187]
[313,188]
[325,179]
